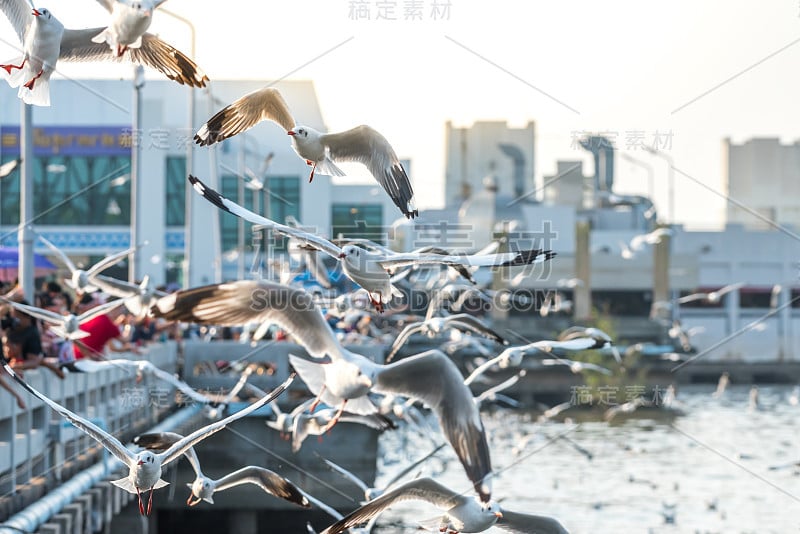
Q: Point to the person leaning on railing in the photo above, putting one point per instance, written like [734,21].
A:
[20,328]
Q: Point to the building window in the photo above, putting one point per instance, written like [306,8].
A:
[229,224]
[358,221]
[176,190]
[72,190]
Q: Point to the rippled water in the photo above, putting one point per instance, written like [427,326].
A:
[712,464]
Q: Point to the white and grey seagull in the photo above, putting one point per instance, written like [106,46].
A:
[46,41]
[203,487]
[320,150]
[437,325]
[129,20]
[81,279]
[144,468]
[462,513]
[372,269]
[346,381]
[711,297]
[64,326]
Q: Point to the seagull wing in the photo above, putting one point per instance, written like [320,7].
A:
[99,310]
[433,378]
[366,145]
[243,114]
[346,474]
[77,45]
[228,205]
[267,480]
[105,439]
[20,14]
[517,523]
[507,259]
[108,261]
[64,258]
[200,434]
[39,313]
[464,321]
[179,384]
[420,489]
[245,301]
[401,339]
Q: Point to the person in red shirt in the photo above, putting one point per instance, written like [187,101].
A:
[103,331]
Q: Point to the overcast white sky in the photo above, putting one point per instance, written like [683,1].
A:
[620,66]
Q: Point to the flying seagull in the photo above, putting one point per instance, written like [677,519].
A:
[46,41]
[144,468]
[372,269]
[462,513]
[430,377]
[203,487]
[64,326]
[438,325]
[129,20]
[362,143]
[80,279]
[712,297]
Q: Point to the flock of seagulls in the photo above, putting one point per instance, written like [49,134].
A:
[353,388]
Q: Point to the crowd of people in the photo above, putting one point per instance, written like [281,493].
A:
[28,343]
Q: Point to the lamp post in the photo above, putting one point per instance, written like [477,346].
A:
[25,233]
[187,223]
[136,151]
[670,178]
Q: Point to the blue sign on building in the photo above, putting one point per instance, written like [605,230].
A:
[71,140]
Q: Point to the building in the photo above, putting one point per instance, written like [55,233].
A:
[82,185]
[764,174]
[488,147]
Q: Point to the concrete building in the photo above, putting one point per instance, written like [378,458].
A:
[82,177]
[488,147]
[764,174]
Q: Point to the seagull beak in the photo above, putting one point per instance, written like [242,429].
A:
[498,515]
[291,132]
[342,256]
[37,13]
[140,462]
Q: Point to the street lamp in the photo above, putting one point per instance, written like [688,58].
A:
[138,83]
[670,177]
[187,232]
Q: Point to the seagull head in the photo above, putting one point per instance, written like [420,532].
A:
[42,14]
[300,132]
[350,252]
[202,490]
[493,509]
[146,458]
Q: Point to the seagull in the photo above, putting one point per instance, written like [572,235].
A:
[430,377]
[144,468]
[319,422]
[493,393]
[722,385]
[371,270]
[81,280]
[138,297]
[129,20]
[362,143]
[46,41]
[203,487]
[600,339]
[513,356]
[64,326]
[437,325]
[712,297]
[462,513]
